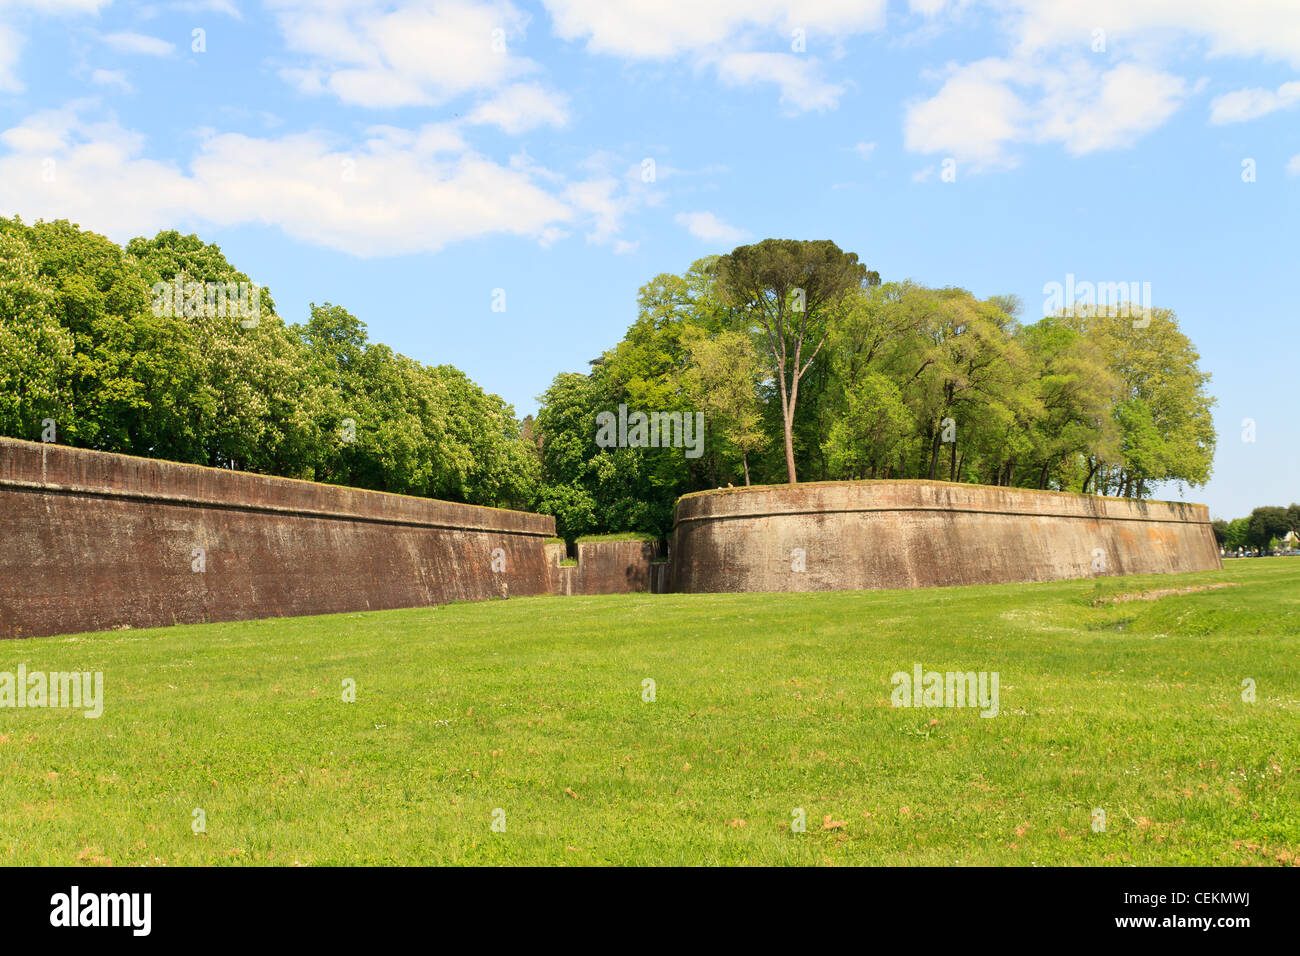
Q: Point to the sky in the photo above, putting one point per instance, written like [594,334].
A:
[488,183]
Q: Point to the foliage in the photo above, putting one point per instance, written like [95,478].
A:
[87,340]
[787,292]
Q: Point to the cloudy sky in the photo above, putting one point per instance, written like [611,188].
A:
[407,159]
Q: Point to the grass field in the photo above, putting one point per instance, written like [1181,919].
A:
[763,704]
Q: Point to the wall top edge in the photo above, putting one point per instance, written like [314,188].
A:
[61,469]
[921,494]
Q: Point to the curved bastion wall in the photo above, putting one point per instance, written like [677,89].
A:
[831,536]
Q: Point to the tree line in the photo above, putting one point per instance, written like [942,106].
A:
[89,359]
[809,367]
[1260,531]
[804,364]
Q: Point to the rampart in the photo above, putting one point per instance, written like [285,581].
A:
[828,536]
[92,541]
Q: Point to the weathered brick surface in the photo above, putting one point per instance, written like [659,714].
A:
[614,567]
[908,534]
[604,567]
[90,541]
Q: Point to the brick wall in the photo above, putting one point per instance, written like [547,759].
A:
[907,534]
[604,567]
[91,541]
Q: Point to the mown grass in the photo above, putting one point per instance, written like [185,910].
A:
[764,704]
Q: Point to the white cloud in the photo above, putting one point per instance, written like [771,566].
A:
[522,107]
[127,42]
[604,205]
[1087,111]
[974,116]
[1241,105]
[797,76]
[1269,28]
[709,228]
[864,149]
[736,37]
[410,54]
[1036,94]
[1293,167]
[666,28]
[401,191]
[110,78]
[984,109]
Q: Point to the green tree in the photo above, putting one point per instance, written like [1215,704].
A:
[788,290]
[591,489]
[1162,408]
[1265,524]
[722,379]
[1238,534]
[36,352]
[1074,392]
[134,373]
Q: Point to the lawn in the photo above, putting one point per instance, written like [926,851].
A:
[531,713]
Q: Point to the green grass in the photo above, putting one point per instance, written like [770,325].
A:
[622,536]
[763,704]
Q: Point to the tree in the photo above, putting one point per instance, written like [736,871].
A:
[253,407]
[135,375]
[1237,534]
[36,352]
[1162,407]
[789,289]
[90,337]
[588,488]
[722,380]
[1265,524]
[1074,392]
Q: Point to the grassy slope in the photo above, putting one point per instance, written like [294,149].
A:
[764,703]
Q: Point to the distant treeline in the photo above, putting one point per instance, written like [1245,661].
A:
[1265,527]
[802,362]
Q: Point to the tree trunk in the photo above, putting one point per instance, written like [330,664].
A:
[1091,471]
[744,460]
[789,445]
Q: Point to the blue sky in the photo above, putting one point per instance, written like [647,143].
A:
[406,159]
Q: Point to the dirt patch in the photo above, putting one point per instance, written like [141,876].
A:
[1163,593]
